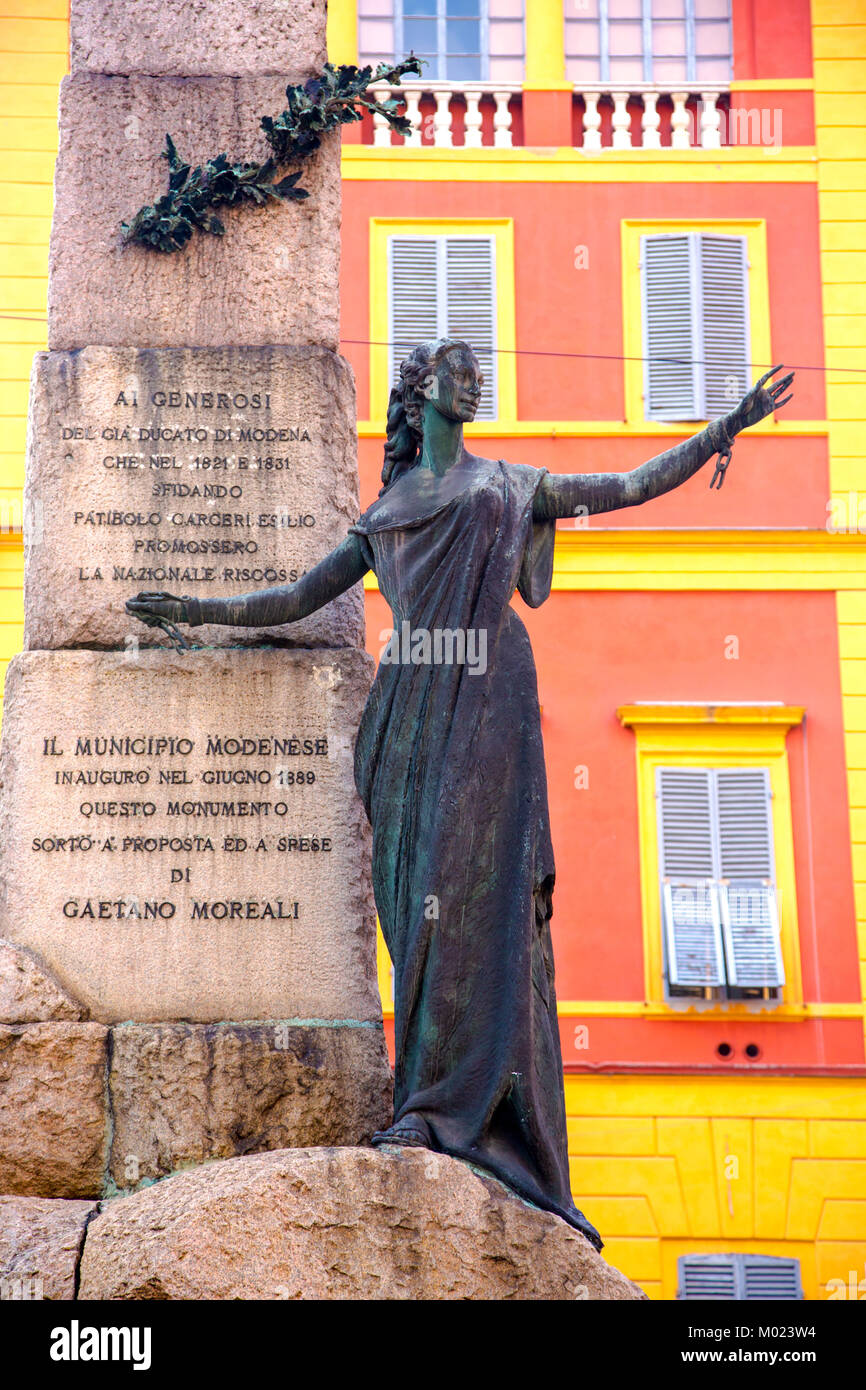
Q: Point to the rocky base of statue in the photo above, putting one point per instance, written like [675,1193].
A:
[88,1110]
[319,1223]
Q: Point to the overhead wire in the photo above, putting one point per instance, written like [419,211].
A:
[577,356]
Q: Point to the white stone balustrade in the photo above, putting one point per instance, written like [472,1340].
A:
[688,128]
[696,126]
[442,124]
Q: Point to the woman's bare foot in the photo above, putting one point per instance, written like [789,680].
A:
[411,1133]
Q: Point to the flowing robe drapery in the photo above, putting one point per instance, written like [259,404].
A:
[449,764]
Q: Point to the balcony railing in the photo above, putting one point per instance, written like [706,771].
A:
[649,119]
[450,117]
[490,115]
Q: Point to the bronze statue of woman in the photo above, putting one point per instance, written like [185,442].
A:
[449,761]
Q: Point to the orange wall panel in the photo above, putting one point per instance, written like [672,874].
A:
[785,118]
[773,41]
[578,312]
[547,118]
[638,1044]
[781,482]
[596,651]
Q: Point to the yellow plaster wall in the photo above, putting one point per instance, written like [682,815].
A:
[33,59]
[686,1165]
[839,44]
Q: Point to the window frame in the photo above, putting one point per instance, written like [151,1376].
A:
[501,230]
[392,13]
[717,736]
[691,21]
[697,316]
[717,884]
[440,75]
[754,230]
[442,304]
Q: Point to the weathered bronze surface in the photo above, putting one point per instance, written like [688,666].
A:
[449,760]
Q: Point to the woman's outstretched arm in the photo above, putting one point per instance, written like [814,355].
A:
[285,603]
[579,494]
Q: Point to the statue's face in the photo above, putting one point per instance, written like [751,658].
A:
[454,389]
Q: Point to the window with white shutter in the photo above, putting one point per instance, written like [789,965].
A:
[695,301]
[444,287]
[718,886]
[741,1277]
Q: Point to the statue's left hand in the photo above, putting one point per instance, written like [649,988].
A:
[760,402]
[156,609]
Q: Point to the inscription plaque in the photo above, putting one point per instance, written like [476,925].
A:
[204,471]
[182,835]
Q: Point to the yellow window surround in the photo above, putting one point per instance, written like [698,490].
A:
[755,232]
[501,229]
[704,735]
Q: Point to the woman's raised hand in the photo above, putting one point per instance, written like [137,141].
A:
[760,402]
[157,608]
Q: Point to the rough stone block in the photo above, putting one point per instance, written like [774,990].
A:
[187,38]
[181,834]
[40,1246]
[273,277]
[181,1094]
[53,1113]
[204,471]
[339,1224]
[29,994]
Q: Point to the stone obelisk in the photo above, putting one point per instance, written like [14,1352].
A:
[188,968]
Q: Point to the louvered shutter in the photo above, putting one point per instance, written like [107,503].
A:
[670,385]
[718,878]
[691,910]
[694,939]
[413,294]
[750,921]
[750,925]
[739,1277]
[471,309]
[696,324]
[685,822]
[444,287]
[770,1277]
[724,326]
[706,1276]
[745,824]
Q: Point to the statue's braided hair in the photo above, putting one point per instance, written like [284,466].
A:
[404,436]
